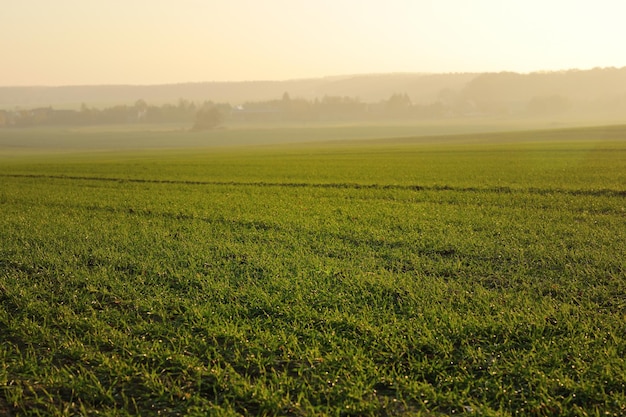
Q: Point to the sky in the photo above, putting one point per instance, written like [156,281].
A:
[143,42]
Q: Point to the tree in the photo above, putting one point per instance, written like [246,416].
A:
[399,104]
[208,117]
[141,109]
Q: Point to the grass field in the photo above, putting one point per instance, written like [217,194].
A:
[480,274]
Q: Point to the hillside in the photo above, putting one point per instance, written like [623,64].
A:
[596,91]
[366,87]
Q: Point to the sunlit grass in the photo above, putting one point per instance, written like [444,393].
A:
[399,277]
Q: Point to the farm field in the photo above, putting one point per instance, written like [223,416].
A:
[478,274]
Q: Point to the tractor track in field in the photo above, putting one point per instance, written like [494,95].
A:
[340,185]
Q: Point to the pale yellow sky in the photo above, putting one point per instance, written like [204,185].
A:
[69,42]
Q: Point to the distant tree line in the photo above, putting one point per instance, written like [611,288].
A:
[208,115]
[334,108]
[480,98]
[141,112]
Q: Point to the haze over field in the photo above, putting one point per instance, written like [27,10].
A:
[312,207]
[69,42]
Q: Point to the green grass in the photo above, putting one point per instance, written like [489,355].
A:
[482,274]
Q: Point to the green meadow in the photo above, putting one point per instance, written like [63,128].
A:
[341,271]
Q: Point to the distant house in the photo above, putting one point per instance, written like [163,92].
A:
[4,118]
[255,114]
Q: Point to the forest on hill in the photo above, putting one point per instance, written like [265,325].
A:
[596,93]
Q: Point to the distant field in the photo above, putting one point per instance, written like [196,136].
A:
[111,138]
[313,272]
